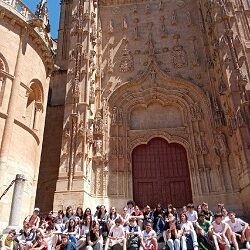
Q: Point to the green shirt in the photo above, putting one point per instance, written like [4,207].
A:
[205,225]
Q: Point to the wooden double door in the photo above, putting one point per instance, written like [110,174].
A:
[161,174]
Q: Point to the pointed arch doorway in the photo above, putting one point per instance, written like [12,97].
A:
[161,174]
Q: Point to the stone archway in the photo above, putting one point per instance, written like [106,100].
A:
[158,105]
[161,174]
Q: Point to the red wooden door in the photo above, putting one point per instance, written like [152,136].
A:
[161,174]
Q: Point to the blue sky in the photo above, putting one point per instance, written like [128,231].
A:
[54,12]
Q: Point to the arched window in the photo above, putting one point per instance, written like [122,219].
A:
[3,71]
[34,106]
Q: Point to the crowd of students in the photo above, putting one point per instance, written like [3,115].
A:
[132,228]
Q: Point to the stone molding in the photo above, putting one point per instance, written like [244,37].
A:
[12,16]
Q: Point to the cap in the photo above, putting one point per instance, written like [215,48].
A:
[37,209]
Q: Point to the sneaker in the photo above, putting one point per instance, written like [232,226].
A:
[248,245]
[196,248]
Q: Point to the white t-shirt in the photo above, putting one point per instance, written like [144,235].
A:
[225,219]
[150,234]
[236,226]
[85,229]
[117,231]
[218,228]
[192,216]
[188,226]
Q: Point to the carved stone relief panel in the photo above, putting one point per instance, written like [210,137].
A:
[155,116]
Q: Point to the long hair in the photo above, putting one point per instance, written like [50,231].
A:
[67,211]
[81,212]
[85,221]
[85,213]
[100,212]
[70,227]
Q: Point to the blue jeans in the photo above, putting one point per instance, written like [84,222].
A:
[192,235]
[159,225]
[174,244]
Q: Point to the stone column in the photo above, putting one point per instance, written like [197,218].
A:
[9,124]
[16,204]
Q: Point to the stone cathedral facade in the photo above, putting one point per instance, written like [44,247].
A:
[149,101]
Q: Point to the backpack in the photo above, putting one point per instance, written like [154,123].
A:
[133,240]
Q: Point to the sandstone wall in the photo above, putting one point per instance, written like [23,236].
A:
[23,106]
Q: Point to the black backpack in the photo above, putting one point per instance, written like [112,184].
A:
[133,240]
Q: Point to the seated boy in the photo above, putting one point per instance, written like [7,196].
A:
[239,227]
[116,236]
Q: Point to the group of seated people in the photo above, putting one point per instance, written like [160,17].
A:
[131,229]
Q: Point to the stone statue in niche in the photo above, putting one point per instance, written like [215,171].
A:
[136,29]
[179,55]
[189,19]
[110,27]
[98,148]
[240,118]
[90,136]
[110,65]
[135,10]
[204,146]
[174,18]
[221,146]
[161,6]
[116,116]
[148,10]
[153,74]
[127,60]
[124,24]
[163,29]
[92,93]
[98,123]
[219,115]
[222,88]
[195,53]
[150,45]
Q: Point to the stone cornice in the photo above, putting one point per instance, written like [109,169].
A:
[41,41]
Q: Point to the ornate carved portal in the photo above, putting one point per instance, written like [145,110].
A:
[161,174]
[170,108]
